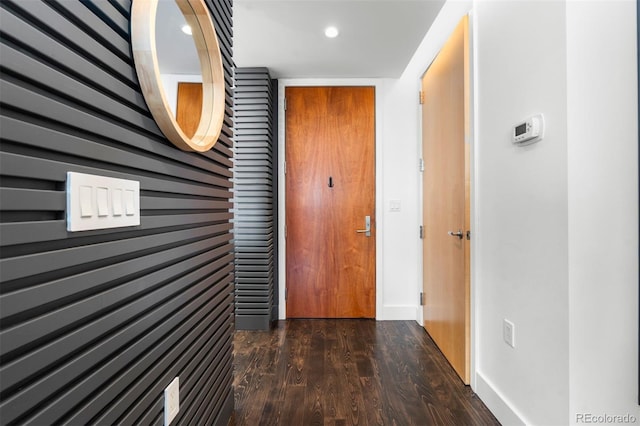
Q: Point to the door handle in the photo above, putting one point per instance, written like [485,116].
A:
[458,234]
[367,226]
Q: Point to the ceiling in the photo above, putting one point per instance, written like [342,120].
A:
[377,37]
[176,51]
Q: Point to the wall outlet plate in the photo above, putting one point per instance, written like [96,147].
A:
[508,333]
[171,401]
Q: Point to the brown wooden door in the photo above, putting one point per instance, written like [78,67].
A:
[330,189]
[189,107]
[445,133]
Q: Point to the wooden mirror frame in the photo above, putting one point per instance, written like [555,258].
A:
[143,41]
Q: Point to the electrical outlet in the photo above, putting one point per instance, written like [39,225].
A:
[171,401]
[508,333]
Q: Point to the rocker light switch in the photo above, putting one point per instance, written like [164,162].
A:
[117,202]
[86,201]
[102,198]
[129,202]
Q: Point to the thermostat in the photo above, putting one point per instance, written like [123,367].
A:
[528,131]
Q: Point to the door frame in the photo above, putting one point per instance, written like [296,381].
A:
[473,200]
[379,211]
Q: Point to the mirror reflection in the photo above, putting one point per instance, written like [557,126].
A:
[193,95]
[179,66]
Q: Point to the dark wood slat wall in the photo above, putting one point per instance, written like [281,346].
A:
[255,199]
[94,325]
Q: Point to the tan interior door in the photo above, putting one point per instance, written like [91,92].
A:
[330,190]
[189,107]
[445,135]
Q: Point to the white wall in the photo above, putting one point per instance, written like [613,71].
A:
[522,224]
[603,208]
[400,171]
[557,222]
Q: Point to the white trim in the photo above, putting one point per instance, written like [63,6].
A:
[379,87]
[473,200]
[420,197]
[497,403]
[397,313]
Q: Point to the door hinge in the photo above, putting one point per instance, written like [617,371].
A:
[285,231]
[421,97]
[421,165]
[285,104]
[468,235]
[421,232]
[286,293]
[285,167]
[421,299]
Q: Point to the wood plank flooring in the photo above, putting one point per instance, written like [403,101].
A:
[348,372]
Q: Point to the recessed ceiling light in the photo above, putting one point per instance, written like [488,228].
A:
[331,32]
[186,29]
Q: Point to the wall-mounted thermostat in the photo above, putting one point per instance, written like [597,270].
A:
[528,131]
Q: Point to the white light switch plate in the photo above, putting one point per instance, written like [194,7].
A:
[508,333]
[394,205]
[171,401]
[100,202]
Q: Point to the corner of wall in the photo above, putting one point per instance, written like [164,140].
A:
[603,208]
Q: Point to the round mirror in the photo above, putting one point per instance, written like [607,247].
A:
[161,57]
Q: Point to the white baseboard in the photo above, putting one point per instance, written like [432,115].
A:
[397,313]
[419,315]
[389,313]
[496,402]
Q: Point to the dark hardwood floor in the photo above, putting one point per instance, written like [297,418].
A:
[348,372]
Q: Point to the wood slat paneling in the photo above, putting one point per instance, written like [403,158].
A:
[255,199]
[41,16]
[94,325]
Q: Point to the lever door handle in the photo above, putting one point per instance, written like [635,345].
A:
[367,225]
[458,234]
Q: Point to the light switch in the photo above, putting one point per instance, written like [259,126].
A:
[86,201]
[117,202]
[129,203]
[394,205]
[101,202]
[102,199]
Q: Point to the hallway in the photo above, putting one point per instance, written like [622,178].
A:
[347,372]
